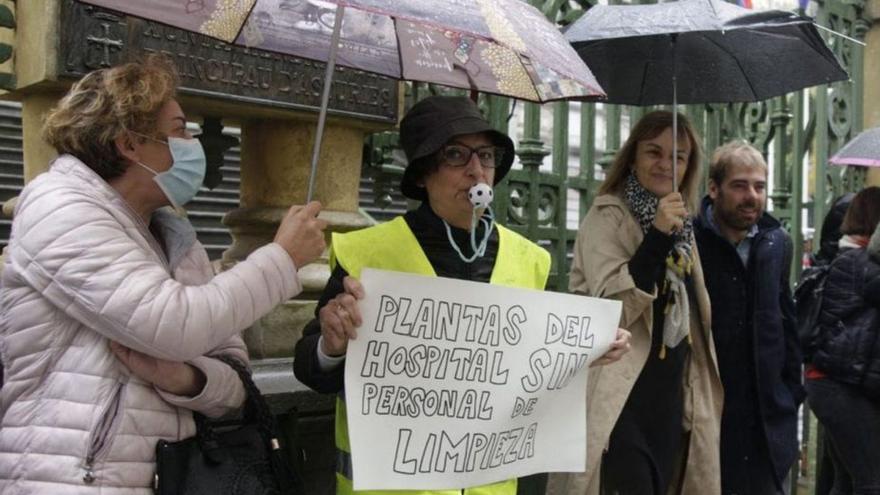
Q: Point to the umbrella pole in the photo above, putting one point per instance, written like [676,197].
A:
[674,136]
[325,98]
[674,119]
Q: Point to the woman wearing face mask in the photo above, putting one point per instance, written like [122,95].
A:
[653,420]
[110,315]
[451,148]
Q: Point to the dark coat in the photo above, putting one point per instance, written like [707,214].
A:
[753,324]
[847,347]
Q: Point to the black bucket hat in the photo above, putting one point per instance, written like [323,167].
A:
[430,124]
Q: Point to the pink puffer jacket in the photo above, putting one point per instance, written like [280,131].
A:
[83,269]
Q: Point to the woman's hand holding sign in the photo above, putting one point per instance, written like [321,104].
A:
[339,318]
[618,348]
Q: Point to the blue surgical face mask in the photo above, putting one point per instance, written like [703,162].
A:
[182,181]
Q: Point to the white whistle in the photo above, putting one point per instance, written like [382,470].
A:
[481,195]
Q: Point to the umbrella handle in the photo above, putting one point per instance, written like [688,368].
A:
[325,98]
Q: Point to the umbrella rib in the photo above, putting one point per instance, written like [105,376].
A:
[738,64]
[644,83]
[395,20]
[245,21]
[520,58]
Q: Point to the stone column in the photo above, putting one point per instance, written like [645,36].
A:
[275,158]
[26,30]
[36,152]
[872,78]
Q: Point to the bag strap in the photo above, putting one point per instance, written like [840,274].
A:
[255,411]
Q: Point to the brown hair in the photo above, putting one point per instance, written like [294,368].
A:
[863,213]
[737,152]
[104,104]
[648,127]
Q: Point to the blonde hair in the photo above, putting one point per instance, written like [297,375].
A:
[648,127]
[736,152]
[104,104]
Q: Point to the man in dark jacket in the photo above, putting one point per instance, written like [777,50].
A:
[746,258]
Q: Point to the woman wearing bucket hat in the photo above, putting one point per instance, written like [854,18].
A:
[451,149]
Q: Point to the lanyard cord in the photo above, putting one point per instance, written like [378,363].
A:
[488,221]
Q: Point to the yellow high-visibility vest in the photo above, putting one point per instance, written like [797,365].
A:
[392,246]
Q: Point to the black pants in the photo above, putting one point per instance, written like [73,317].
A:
[746,468]
[647,442]
[535,484]
[852,424]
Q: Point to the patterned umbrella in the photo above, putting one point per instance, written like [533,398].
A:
[862,151]
[504,47]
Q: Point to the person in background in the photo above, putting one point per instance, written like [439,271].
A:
[746,256]
[843,367]
[450,148]
[828,242]
[828,249]
[653,419]
[111,317]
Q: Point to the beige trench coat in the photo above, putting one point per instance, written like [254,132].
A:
[607,239]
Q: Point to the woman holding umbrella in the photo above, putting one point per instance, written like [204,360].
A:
[657,414]
[113,326]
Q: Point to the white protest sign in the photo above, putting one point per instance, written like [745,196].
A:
[452,384]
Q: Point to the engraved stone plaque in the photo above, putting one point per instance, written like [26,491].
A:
[92,38]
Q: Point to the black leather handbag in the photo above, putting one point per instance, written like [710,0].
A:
[241,457]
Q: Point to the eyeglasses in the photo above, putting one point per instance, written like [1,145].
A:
[165,140]
[459,155]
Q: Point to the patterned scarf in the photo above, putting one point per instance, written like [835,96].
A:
[676,324]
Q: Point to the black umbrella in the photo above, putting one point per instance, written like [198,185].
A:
[700,51]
